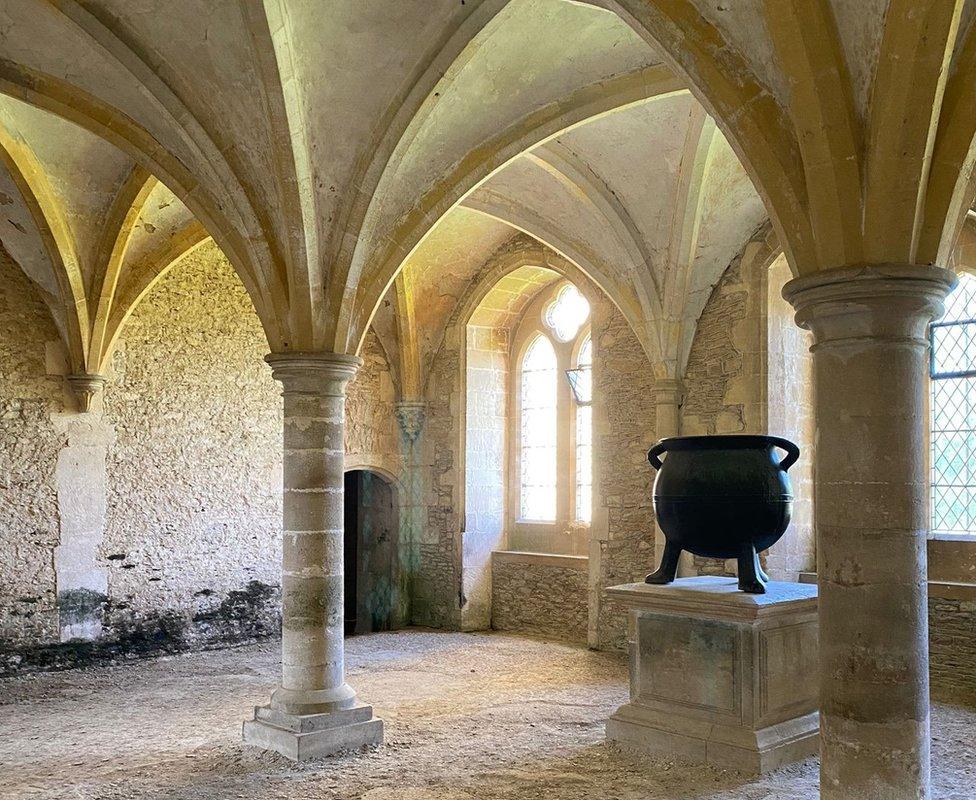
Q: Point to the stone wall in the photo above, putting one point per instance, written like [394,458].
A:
[152,524]
[436,597]
[952,646]
[29,448]
[750,371]
[622,540]
[540,594]
[372,437]
[715,363]
[193,535]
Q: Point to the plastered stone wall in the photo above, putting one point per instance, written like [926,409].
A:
[152,524]
[622,540]
[542,595]
[29,448]
[486,424]
[789,404]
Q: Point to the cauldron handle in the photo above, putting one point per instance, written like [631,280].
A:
[792,452]
[654,452]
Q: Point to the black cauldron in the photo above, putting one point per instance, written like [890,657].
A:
[722,497]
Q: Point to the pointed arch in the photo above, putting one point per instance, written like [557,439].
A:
[84,109]
[71,312]
[363,291]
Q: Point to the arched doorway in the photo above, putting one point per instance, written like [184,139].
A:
[372,524]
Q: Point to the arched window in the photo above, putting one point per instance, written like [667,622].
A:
[537,440]
[953,413]
[583,390]
[550,470]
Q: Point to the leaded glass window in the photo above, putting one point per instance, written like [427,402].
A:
[953,413]
[537,445]
[584,432]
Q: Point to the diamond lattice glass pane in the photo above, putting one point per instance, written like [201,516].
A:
[952,509]
[953,409]
[950,458]
[584,466]
[581,381]
[961,303]
[537,434]
[950,404]
[953,348]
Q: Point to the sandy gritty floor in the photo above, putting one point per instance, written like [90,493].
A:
[467,715]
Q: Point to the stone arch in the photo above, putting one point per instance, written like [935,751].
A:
[589,103]
[55,96]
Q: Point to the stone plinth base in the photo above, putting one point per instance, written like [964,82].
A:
[721,677]
[311,736]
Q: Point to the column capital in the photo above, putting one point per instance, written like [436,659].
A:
[314,372]
[411,414]
[667,390]
[891,302]
[84,387]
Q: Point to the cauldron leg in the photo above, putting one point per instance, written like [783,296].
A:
[750,571]
[669,565]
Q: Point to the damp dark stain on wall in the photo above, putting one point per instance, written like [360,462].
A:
[242,616]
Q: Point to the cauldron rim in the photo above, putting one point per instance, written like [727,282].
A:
[720,441]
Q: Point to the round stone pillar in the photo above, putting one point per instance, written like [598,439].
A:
[314,711]
[870,358]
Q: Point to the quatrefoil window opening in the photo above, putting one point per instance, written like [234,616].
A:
[566,313]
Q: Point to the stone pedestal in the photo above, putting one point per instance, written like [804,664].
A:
[721,677]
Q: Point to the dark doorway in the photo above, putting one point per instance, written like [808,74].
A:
[372,593]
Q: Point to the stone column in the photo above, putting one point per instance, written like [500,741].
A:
[667,423]
[870,360]
[314,712]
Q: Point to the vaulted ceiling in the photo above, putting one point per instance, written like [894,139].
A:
[328,148]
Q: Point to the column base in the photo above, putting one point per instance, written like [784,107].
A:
[304,737]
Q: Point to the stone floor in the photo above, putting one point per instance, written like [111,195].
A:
[468,716]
